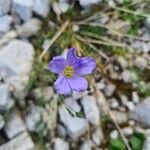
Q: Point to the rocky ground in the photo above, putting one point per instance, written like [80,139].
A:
[113,113]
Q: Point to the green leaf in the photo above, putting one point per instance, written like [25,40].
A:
[116,144]
[79,114]
[137,141]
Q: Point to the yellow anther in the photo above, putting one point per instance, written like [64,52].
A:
[68,71]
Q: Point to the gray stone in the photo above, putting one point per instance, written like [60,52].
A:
[111,3]
[91,110]
[16,60]
[29,28]
[101,85]
[72,104]
[14,125]
[2,123]
[23,8]
[114,134]
[5,22]
[85,3]
[61,131]
[34,120]
[43,93]
[122,62]
[5,101]
[60,7]
[135,97]
[130,105]
[127,131]
[97,136]
[75,28]
[4,6]
[60,144]
[140,113]
[145,46]
[113,103]
[147,141]
[75,126]
[21,142]
[87,145]
[109,89]
[41,7]
[79,95]
[141,62]
[50,113]
[120,117]
[127,76]
[147,23]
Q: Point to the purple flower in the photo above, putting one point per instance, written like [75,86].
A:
[71,71]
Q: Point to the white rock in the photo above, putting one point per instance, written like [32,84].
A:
[141,62]
[79,95]
[139,129]
[145,46]
[2,123]
[4,6]
[130,105]
[60,8]
[122,62]
[135,97]
[114,103]
[49,115]
[60,144]
[127,131]
[141,111]
[5,22]
[127,103]
[104,20]
[124,99]
[44,93]
[85,3]
[16,60]
[34,119]
[147,141]
[64,7]
[5,100]
[131,123]
[75,28]
[127,76]
[97,136]
[120,117]
[23,8]
[87,145]
[91,110]
[147,23]
[111,3]
[14,125]
[29,28]
[45,44]
[101,85]
[41,7]
[109,89]
[73,105]
[114,134]
[61,131]
[21,142]
[75,126]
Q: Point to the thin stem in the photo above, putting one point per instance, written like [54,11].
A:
[54,38]
[132,12]
[102,54]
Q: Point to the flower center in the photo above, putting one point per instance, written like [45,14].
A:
[68,71]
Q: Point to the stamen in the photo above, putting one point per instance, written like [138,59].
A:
[68,71]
